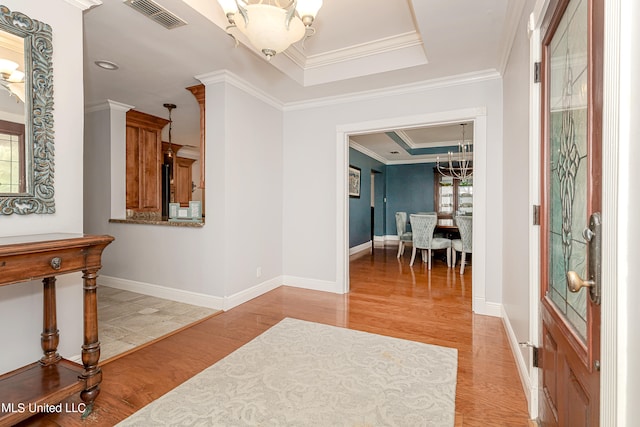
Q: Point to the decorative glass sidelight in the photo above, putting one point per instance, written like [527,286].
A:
[568,133]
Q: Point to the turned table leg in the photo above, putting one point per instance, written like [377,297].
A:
[50,336]
[91,348]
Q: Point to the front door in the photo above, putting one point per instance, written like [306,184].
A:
[570,223]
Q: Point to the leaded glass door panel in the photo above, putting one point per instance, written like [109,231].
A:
[572,127]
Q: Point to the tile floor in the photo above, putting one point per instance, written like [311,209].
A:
[127,319]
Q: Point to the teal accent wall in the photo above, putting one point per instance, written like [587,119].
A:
[407,188]
[360,208]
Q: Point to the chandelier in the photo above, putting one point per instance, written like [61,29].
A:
[460,164]
[271,25]
[11,79]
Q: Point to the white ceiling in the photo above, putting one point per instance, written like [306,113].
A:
[360,45]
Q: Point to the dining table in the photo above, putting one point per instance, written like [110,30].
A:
[448,228]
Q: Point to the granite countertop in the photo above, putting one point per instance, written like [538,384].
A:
[141,218]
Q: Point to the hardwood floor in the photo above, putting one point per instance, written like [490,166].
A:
[387,297]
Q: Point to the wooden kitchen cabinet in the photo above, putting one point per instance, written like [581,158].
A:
[144,158]
[183,180]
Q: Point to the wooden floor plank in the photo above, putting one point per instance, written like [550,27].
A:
[387,297]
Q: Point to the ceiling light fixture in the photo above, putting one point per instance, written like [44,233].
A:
[460,163]
[170,107]
[168,155]
[271,25]
[11,79]
[107,65]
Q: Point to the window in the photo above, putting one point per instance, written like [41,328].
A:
[12,156]
[452,196]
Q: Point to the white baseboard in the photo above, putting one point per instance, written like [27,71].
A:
[179,295]
[251,293]
[217,303]
[523,371]
[379,241]
[313,284]
[366,246]
[481,306]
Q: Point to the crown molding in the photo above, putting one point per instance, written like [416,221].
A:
[374,47]
[457,80]
[108,105]
[428,158]
[84,4]
[417,145]
[514,14]
[367,152]
[226,76]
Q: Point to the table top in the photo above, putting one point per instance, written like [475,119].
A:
[29,238]
[13,245]
[446,223]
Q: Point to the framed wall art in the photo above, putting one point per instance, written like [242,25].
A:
[354,181]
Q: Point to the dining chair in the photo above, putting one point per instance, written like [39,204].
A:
[423,226]
[465,243]
[404,236]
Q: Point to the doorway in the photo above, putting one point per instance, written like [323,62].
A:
[478,116]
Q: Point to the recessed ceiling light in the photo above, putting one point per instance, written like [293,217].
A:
[107,65]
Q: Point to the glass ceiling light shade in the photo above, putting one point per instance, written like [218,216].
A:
[308,9]
[11,79]
[460,164]
[270,25]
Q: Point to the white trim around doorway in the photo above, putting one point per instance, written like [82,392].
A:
[479,116]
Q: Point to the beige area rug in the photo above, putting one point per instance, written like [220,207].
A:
[127,320]
[302,373]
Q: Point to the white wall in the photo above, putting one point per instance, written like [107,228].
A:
[211,265]
[517,208]
[310,172]
[628,316]
[21,304]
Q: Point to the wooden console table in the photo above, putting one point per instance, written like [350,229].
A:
[41,385]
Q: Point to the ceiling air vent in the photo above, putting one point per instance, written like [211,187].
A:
[154,11]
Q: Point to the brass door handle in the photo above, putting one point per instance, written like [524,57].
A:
[575,283]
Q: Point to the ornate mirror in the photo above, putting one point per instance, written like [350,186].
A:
[26,115]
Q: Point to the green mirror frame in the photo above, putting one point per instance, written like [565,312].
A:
[38,197]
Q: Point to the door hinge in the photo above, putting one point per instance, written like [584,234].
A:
[535,353]
[537,67]
[535,357]
[536,214]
